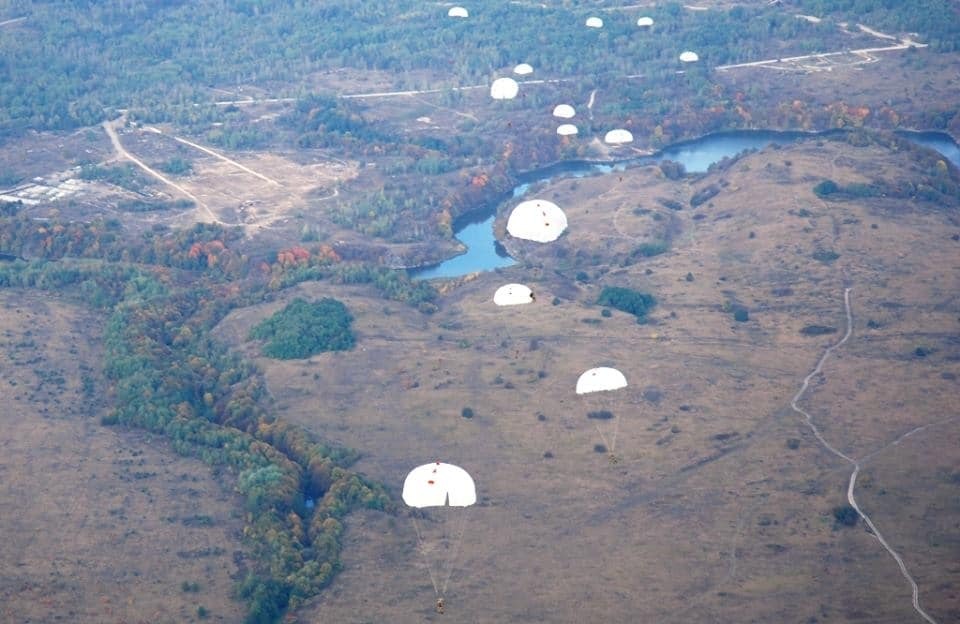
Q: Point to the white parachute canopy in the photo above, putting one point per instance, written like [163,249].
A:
[564,111]
[594,22]
[600,379]
[618,137]
[439,485]
[537,220]
[523,69]
[458,11]
[504,89]
[689,57]
[513,294]
[567,130]
[645,21]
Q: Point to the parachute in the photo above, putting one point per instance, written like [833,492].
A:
[513,294]
[689,57]
[618,137]
[567,130]
[438,485]
[523,69]
[504,89]
[594,22]
[564,111]
[537,220]
[601,381]
[458,11]
[645,21]
[445,489]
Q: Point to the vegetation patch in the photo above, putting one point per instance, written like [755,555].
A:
[626,300]
[303,329]
[818,330]
[600,415]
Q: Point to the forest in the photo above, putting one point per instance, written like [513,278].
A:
[73,64]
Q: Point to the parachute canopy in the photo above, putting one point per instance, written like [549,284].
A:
[439,485]
[567,130]
[523,69]
[689,57]
[513,294]
[600,379]
[645,21]
[457,11]
[537,220]
[564,111]
[594,22]
[618,137]
[504,89]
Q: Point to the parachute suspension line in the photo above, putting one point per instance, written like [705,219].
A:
[433,577]
[602,436]
[616,429]
[453,557]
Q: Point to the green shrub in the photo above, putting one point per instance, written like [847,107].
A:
[846,515]
[818,330]
[825,188]
[627,300]
[825,256]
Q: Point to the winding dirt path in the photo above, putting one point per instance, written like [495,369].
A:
[856,463]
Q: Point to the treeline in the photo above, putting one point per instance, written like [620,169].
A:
[169,377]
[73,64]
[925,174]
[211,249]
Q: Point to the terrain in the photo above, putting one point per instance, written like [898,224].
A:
[99,524]
[721,506]
[171,176]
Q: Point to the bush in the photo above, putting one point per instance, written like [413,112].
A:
[303,329]
[606,313]
[627,300]
[600,415]
[648,250]
[825,256]
[846,515]
[741,315]
[467,412]
[825,188]
[818,330]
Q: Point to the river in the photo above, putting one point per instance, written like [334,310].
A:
[485,253]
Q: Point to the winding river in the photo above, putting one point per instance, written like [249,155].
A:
[485,253]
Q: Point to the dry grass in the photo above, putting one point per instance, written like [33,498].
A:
[98,525]
[711,515]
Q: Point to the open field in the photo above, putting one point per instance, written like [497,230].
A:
[721,506]
[98,524]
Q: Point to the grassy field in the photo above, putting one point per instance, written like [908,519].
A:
[721,508]
[98,524]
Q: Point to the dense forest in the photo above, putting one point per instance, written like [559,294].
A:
[70,64]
